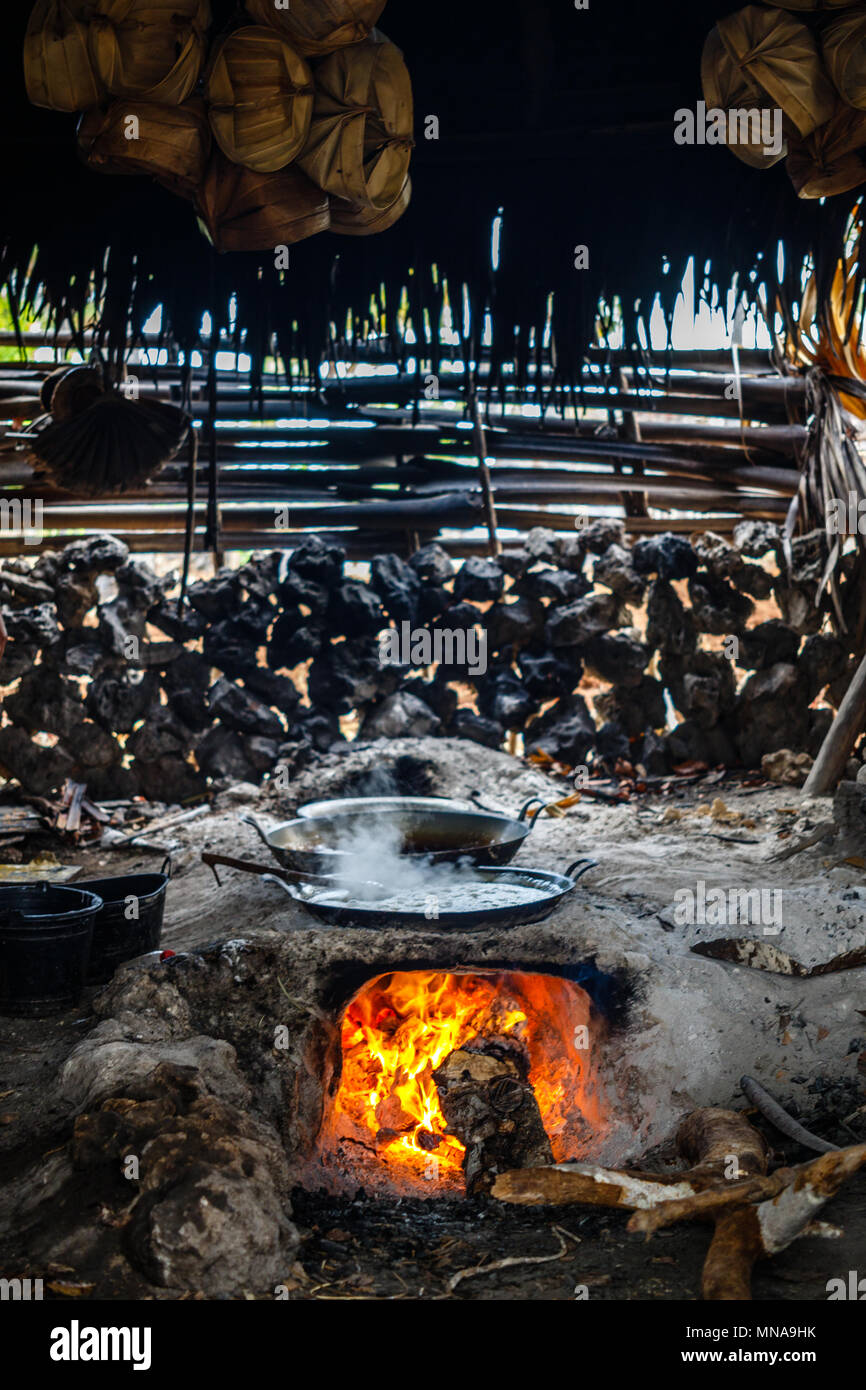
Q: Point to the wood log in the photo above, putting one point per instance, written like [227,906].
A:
[839,740]
[490,1106]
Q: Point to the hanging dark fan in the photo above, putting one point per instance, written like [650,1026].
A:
[99,441]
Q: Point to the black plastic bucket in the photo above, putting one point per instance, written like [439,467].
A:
[129,922]
[45,936]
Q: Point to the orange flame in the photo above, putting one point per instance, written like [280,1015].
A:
[400,1027]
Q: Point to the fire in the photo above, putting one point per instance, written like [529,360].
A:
[400,1027]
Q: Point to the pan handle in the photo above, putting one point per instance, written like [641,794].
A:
[262,834]
[533,800]
[587,864]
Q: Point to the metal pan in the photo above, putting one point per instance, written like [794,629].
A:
[440,834]
[314,810]
[555,887]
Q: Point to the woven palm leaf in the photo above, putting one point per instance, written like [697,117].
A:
[153,49]
[172,143]
[242,210]
[58,70]
[832,159]
[780,56]
[260,99]
[348,219]
[319,26]
[115,445]
[360,138]
[727,87]
[844,46]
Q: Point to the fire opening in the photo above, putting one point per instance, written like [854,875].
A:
[385,1129]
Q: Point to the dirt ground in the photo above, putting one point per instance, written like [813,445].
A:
[646,848]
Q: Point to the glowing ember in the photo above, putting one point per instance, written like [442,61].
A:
[400,1027]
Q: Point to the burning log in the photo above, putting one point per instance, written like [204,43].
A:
[755,1215]
[490,1106]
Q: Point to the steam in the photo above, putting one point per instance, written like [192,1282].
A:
[370,865]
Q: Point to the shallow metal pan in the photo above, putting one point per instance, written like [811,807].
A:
[440,834]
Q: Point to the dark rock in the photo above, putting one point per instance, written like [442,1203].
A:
[503,698]
[721,559]
[559,585]
[614,569]
[688,742]
[566,731]
[756,539]
[514,562]
[231,644]
[45,703]
[33,627]
[318,560]
[354,609]
[260,576]
[348,674]
[186,684]
[767,644]
[670,628]
[717,607]
[546,675]
[439,695]
[809,557]
[239,710]
[587,618]
[139,584]
[319,728]
[111,783]
[397,587]
[118,699]
[636,709]
[668,555]
[401,715]
[18,659]
[162,734]
[96,554]
[753,580]
[479,579]
[91,746]
[819,727]
[612,746]
[121,628]
[432,564]
[770,714]
[277,691]
[797,606]
[432,603]
[708,691]
[216,598]
[170,779]
[41,771]
[83,657]
[571,552]
[46,568]
[514,624]
[543,544]
[616,657]
[468,724]
[653,756]
[186,626]
[598,537]
[295,591]
[262,753]
[222,755]
[291,644]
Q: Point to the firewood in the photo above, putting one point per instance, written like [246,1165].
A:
[490,1107]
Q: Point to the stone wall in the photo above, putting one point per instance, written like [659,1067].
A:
[589,645]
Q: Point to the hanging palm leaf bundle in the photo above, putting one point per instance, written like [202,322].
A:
[833,158]
[843,42]
[171,143]
[350,219]
[153,49]
[319,26]
[58,69]
[779,55]
[241,210]
[726,87]
[360,139]
[99,441]
[260,99]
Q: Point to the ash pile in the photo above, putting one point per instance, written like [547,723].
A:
[589,647]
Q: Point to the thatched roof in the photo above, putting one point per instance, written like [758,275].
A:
[562,118]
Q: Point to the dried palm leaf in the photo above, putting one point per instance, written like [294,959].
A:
[240,210]
[843,43]
[319,26]
[58,70]
[726,87]
[171,143]
[260,98]
[115,445]
[351,220]
[360,138]
[778,53]
[152,49]
[832,159]
[73,390]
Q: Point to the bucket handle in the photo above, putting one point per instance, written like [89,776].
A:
[249,819]
[587,864]
[165,867]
